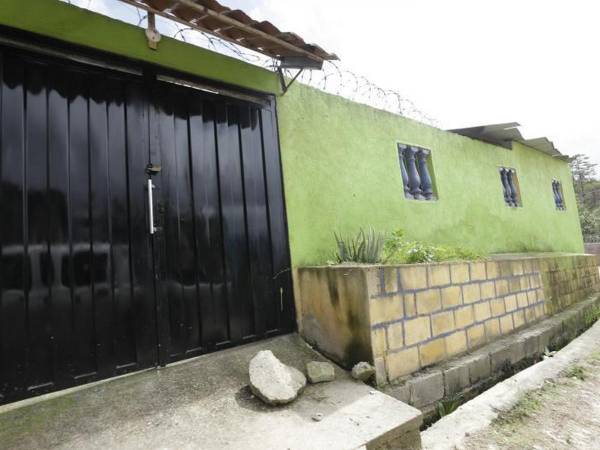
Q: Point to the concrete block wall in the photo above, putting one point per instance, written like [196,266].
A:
[568,279]
[423,314]
[406,318]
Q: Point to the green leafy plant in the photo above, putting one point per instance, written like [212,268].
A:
[591,316]
[576,372]
[446,407]
[398,250]
[365,247]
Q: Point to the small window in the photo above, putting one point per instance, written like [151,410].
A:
[559,199]
[510,187]
[415,166]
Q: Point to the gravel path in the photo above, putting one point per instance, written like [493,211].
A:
[564,414]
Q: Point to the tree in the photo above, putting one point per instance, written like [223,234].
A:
[584,171]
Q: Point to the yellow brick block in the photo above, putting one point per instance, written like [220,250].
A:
[519,319]
[540,295]
[451,296]
[492,328]
[530,314]
[492,270]
[413,277]
[416,330]
[378,341]
[478,271]
[463,317]
[497,306]
[531,297]
[456,343]
[459,273]
[402,363]
[510,303]
[432,352]
[502,287]
[488,289]
[475,336]
[471,293]
[522,300]
[373,279]
[395,337]
[506,324]
[482,311]
[539,311]
[410,307]
[442,323]
[534,281]
[439,275]
[428,301]
[390,278]
[386,309]
[514,284]
[517,267]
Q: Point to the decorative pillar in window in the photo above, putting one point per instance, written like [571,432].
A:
[513,189]
[510,187]
[505,187]
[414,180]
[417,178]
[401,156]
[426,184]
[559,200]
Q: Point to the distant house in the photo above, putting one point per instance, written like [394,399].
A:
[155,201]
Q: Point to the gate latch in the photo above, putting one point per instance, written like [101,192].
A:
[153,169]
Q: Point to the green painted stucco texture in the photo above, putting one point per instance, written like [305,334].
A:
[341,172]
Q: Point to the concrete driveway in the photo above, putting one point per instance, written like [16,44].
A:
[205,403]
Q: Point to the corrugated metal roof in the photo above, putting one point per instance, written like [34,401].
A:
[504,134]
[235,26]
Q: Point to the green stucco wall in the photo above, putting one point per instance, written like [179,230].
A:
[341,172]
[340,160]
[79,26]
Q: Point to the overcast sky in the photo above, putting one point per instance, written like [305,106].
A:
[466,62]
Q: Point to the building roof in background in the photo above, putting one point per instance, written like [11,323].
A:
[235,26]
[504,134]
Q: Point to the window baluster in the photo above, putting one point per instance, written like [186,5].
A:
[505,187]
[426,183]
[401,156]
[512,187]
[414,180]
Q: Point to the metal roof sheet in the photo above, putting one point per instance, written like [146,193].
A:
[235,26]
[504,134]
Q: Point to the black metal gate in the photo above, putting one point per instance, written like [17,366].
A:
[87,291]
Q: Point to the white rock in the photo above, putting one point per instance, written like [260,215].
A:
[363,371]
[318,371]
[274,382]
[317,417]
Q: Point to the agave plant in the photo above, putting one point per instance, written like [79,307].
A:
[365,247]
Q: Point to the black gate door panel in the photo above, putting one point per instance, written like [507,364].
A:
[224,271]
[86,291]
[77,297]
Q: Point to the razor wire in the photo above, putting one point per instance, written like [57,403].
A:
[334,78]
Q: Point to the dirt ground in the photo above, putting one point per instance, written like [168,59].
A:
[564,414]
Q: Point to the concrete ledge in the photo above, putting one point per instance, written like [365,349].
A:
[450,431]
[468,375]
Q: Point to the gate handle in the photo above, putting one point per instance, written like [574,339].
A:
[151,206]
